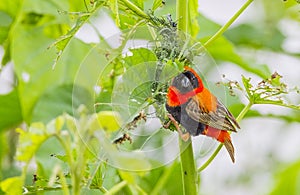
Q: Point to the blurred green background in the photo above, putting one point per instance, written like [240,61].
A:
[41,79]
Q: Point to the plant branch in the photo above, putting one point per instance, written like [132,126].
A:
[228,24]
[297,107]
[117,188]
[135,9]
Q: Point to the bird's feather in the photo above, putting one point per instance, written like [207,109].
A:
[218,117]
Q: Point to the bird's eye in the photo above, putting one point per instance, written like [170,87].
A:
[185,82]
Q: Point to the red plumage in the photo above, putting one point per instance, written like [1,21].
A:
[198,110]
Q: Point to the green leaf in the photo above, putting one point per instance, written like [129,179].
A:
[45,7]
[40,175]
[11,7]
[139,56]
[33,65]
[59,100]
[109,120]
[98,176]
[7,55]
[288,181]
[10,111]
[103,101]
[222,49]
[139,3]
[256,37]
[247,85]
[64,40]
[30,141]
[156,4]
[106,120]
[5,22]
[130,93]
[208,27]
[63,158]
[12,185]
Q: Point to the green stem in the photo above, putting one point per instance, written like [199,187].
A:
[117,188]
[182,15]
[297,107]
[135,9]
[34,190]
[76,177]
[211,158]
[64,185]
[188,168]
[238,119]
[243,112]
[228,24]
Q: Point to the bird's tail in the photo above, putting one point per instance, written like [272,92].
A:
[223,137]
[229,147]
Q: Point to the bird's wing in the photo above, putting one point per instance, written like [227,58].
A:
[216,116]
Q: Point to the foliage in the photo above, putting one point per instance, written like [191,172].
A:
[72,99]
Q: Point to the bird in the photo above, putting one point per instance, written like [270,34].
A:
[190,104]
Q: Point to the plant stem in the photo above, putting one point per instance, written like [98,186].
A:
[188,168]
[182,15]
[117,187]
[244,111]
[211,158]
[135,9]
[238,119]
[228,24]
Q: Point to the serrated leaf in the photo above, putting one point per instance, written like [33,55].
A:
[64,40]
[247,84]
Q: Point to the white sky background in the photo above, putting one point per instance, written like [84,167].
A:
[259,138]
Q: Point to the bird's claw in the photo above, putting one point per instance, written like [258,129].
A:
[184,136]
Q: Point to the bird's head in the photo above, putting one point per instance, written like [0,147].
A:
[187,81]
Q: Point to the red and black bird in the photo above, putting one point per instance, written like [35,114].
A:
[198,110]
